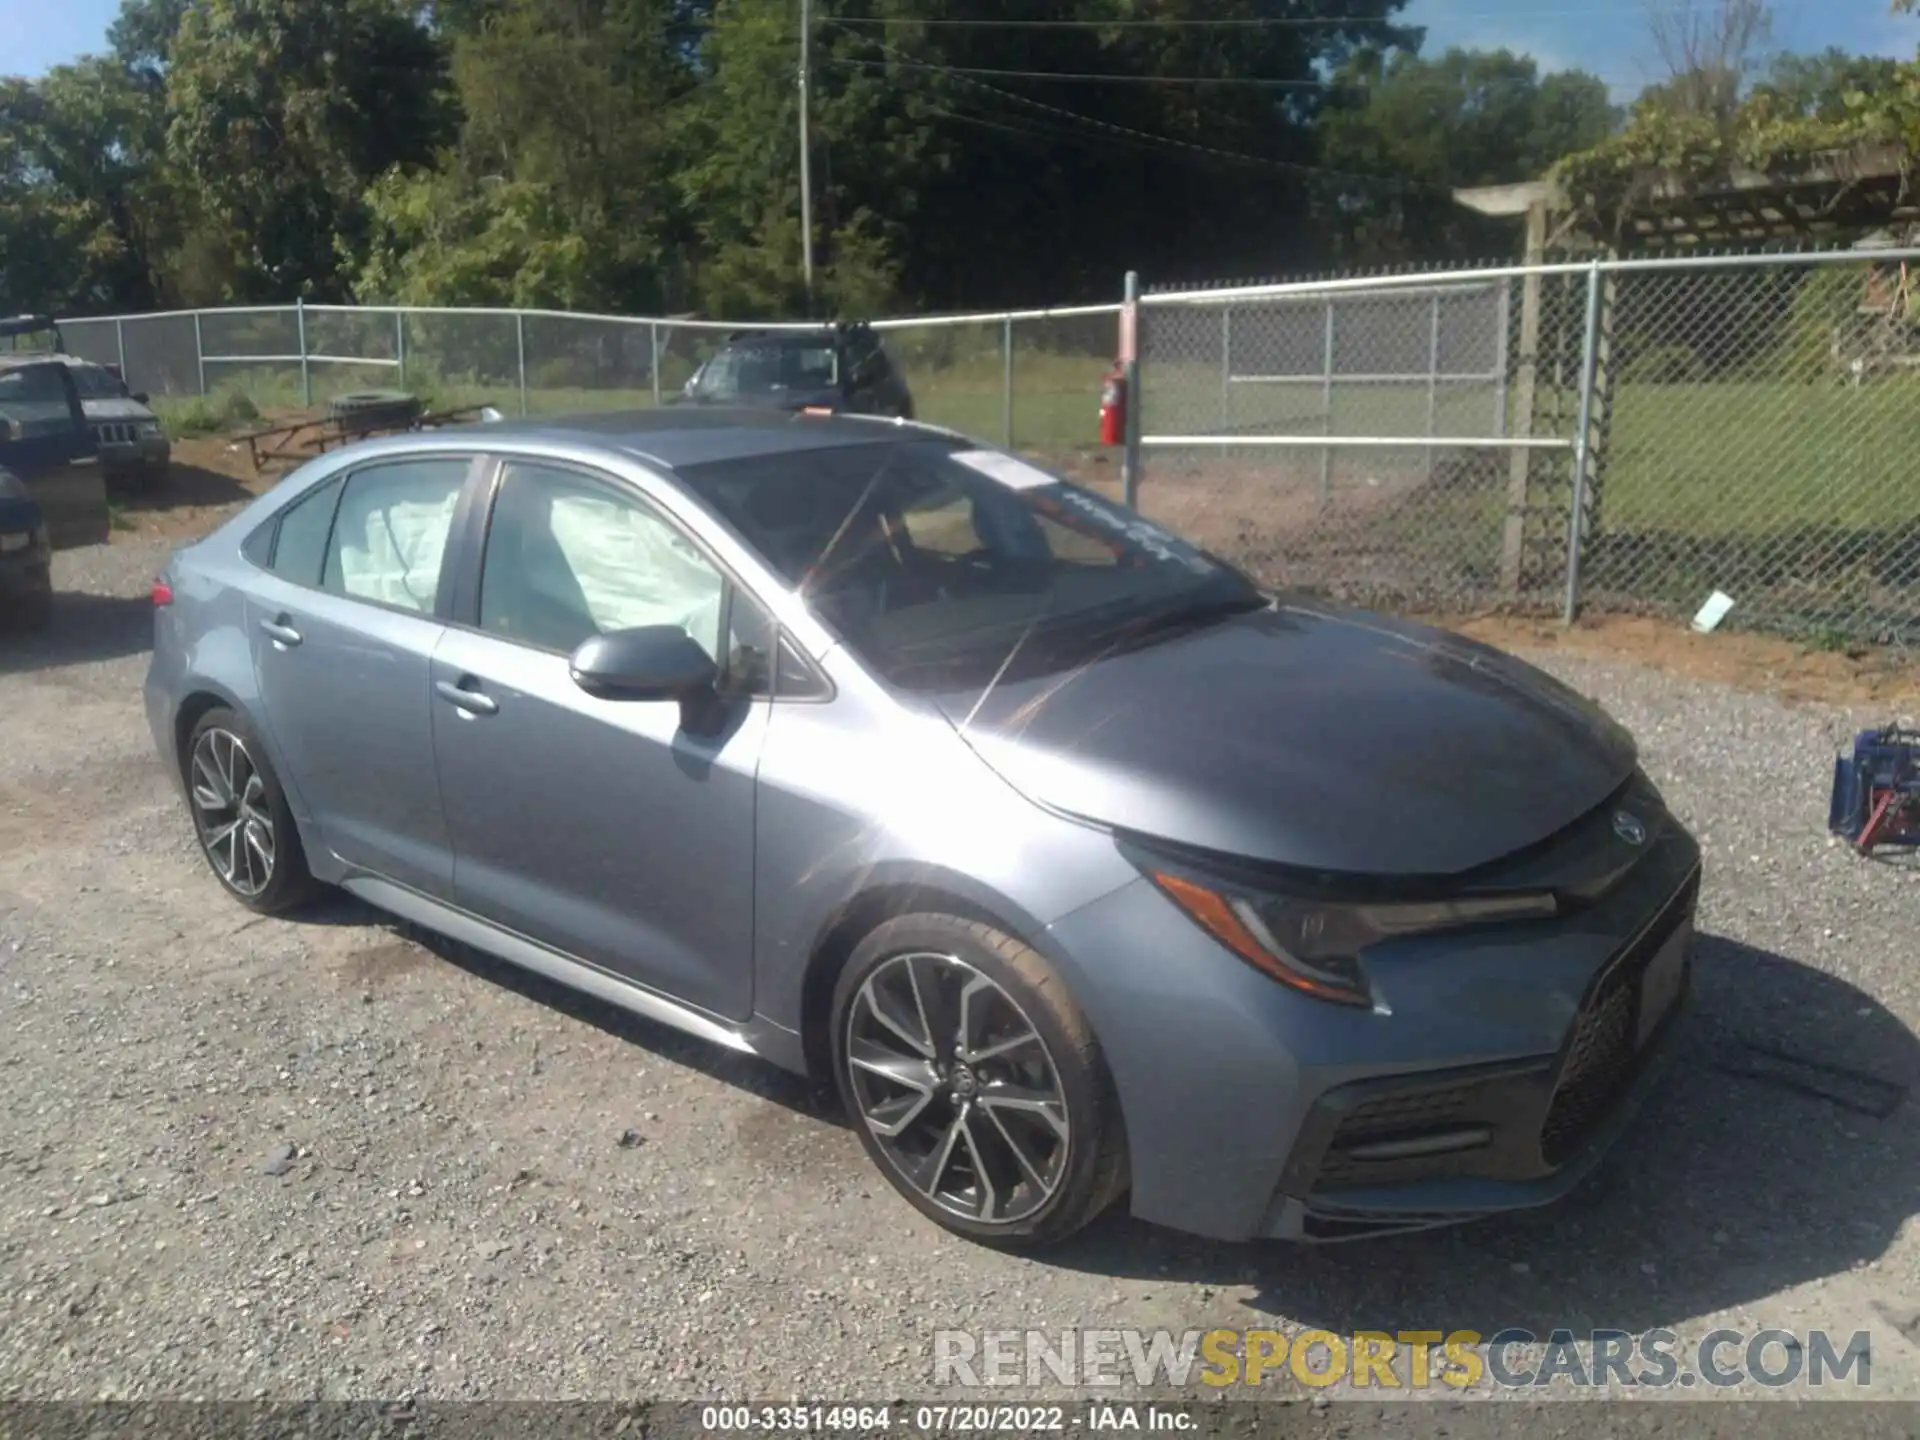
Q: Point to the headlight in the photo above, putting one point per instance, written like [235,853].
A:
[150,430]
[1313,944]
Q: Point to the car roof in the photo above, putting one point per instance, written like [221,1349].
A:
[679,437]
[26,358]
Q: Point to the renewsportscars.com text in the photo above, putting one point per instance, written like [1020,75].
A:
[1414,1360]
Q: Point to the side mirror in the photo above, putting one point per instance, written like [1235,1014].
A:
[141,397]
[650,662]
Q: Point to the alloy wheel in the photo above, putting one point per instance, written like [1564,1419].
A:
[957,1088]
[231,811]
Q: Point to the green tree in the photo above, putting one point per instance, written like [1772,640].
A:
[560,188]
[1463,118]
[85,147]
[282,112]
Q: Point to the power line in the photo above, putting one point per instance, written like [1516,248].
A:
[1284,166]
[1117,79]
[1271,23]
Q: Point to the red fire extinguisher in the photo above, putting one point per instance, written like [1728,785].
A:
[1113,406]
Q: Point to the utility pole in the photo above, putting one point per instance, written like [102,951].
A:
[806,167]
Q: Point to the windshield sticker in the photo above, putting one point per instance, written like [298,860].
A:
[1148,536]
[1012,473]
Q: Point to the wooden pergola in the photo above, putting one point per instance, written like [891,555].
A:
[1863,197]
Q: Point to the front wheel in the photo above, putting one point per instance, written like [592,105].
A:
[975,1082]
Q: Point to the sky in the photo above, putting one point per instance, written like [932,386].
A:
[1606,37]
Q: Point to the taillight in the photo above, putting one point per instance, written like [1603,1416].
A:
[162,592]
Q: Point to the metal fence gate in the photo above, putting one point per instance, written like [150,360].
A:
[1743,423]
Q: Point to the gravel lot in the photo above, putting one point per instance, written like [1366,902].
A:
[318,1159]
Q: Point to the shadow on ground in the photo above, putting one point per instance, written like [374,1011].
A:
[1739,1180]
[743,1072]
[184,487]
[85,629]
[1747,1175]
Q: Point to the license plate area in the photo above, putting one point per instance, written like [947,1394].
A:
[1661,982]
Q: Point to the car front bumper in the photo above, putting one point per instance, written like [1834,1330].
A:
[1495,1072]
[124,457]
[26,565]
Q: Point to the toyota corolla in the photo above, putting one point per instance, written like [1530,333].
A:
[1085,866]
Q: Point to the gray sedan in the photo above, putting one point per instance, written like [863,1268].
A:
[1085,867]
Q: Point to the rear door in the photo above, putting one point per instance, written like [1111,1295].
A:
[343,627]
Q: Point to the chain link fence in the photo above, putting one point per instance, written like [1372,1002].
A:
[1027,378]
[1742,424]
[1747,425]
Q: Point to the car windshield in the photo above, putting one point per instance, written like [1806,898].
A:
[938,563]
[97,383]
[759,366]
[35,399]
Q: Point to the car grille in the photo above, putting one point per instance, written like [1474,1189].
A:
[115,432]
[1406,1113]
[1601,1057]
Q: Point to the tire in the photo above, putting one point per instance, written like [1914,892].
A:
[934,1119]
[365,410]
[223,755]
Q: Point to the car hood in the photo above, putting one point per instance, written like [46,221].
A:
[1308,736]
[115,410]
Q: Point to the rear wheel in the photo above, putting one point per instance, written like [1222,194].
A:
[975,1082]
[241,818]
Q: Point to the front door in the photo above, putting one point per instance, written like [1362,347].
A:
[342,633]
[600,827]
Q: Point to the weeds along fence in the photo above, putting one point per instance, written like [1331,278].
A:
[1617,435]
[1027,378]
[1613,435]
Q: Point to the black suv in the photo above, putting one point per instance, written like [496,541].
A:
[840,367]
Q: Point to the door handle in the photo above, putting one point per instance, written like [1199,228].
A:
[280,632]
[472,702]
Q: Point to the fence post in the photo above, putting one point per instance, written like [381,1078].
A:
[120,346]
[1504,312]
[400,342]
[1326,410]
[520,351]
[306,370]
[1433,382]
[1226,368]
[1130,368]
[653,363]
[199,354]
[1006,380]
[1576,517]
[1513,530]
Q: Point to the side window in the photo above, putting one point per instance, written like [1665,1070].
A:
[568,557]
[301,544]
[390,532]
